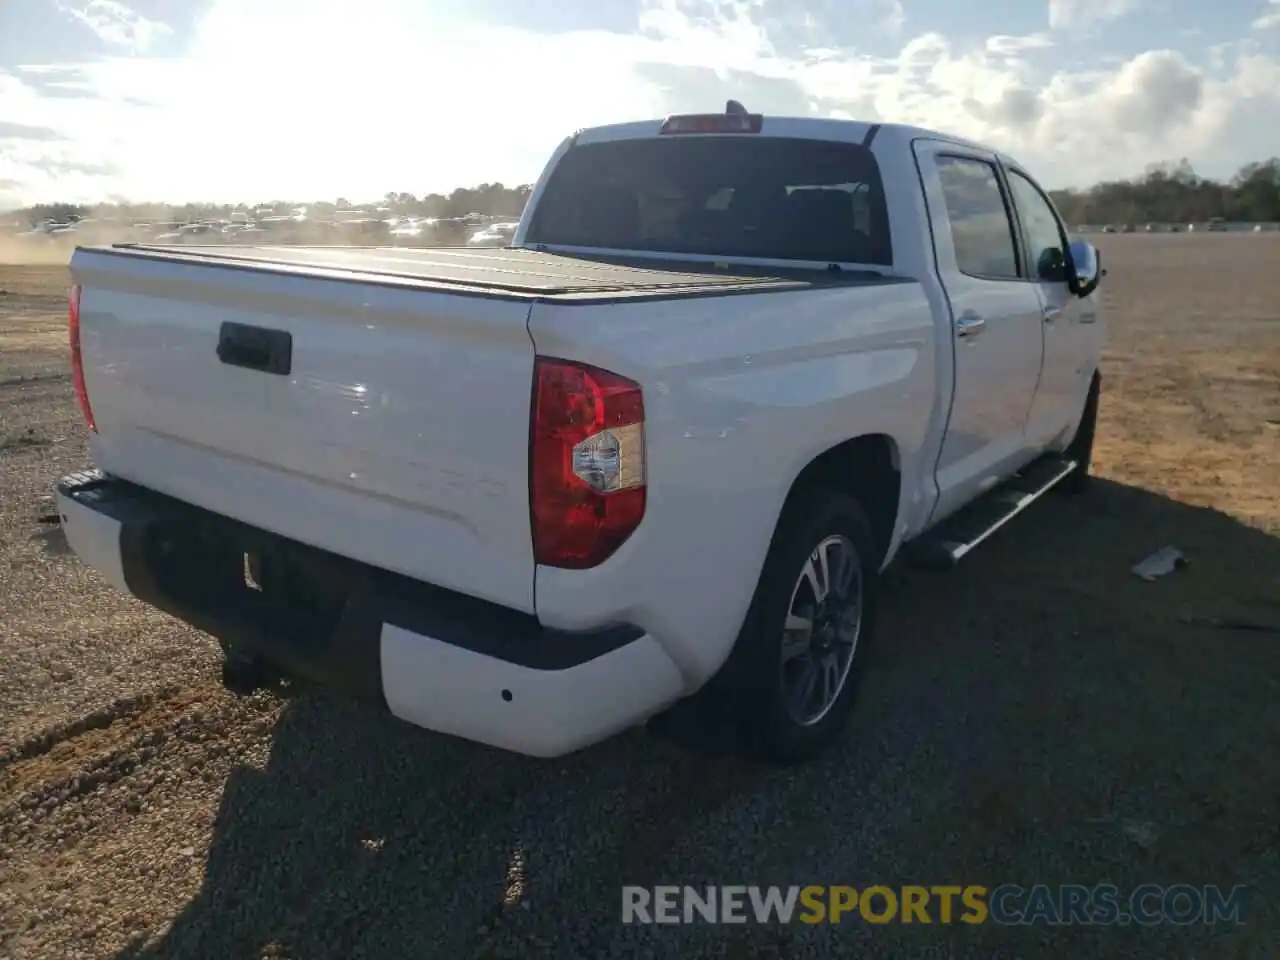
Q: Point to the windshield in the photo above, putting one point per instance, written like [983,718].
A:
[729,196]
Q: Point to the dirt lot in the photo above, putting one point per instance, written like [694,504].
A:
[1037,716]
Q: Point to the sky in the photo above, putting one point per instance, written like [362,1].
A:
[255,100]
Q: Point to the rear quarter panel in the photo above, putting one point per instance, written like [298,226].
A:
[741,393]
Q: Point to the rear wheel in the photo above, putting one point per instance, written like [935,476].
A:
[799,658]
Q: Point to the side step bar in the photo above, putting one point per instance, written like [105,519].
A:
[944,546]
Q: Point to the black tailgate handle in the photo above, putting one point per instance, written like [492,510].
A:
[255,348]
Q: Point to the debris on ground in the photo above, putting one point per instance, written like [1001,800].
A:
[1141,832]
[1161,563]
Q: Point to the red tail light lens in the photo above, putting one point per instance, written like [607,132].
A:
[586,463]
[77,362]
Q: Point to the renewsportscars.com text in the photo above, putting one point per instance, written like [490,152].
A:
[1008,904]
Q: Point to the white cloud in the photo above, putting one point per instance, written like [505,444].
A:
[1270,19]
[1083,14]
[310,100]
[1002,45]
[115,24]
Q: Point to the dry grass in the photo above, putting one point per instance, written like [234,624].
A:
[1038,715]
[1193,370]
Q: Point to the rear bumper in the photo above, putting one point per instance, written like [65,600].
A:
[435,658]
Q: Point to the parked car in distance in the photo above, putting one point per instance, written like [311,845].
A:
[494,235]
[409,228]
[189,232]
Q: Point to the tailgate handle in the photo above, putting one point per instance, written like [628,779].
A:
[256,348]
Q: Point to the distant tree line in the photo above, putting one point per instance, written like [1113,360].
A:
[487,200]
[1165,193]
[1175,193]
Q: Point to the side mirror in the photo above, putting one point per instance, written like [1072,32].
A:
[1086,268]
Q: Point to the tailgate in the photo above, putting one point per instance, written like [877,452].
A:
[394,429]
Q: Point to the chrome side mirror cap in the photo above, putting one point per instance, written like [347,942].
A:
[1086,267]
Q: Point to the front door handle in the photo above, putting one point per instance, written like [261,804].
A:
[1051,314]
[969,325]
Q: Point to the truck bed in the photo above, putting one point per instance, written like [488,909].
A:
[370,402]
[496,271]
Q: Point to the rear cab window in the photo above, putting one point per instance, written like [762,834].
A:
[731,196]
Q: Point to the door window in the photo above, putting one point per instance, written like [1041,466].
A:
[1044,231]
[981,229]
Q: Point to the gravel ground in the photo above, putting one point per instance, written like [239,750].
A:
[1036,716]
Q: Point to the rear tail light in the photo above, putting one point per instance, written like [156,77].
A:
[77,361]
[713,123]
[586,463]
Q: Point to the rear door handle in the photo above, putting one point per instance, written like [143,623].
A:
[969,325]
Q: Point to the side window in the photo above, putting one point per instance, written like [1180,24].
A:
[981,229]
[1044,232]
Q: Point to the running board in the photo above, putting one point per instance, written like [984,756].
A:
[947,544]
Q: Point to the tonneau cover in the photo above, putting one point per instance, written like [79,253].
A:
[495,269]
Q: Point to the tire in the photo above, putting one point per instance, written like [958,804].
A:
[753,685]
[1081,446]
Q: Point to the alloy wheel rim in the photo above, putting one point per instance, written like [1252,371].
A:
[820,635]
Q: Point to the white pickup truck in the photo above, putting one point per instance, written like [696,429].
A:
[645,464]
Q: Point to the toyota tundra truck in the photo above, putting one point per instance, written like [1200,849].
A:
[645,465]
